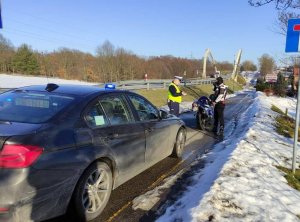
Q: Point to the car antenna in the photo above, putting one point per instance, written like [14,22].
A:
[51,87]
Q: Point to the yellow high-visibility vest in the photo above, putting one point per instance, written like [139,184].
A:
[177,99]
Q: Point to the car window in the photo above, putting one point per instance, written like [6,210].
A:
[31,107]
[145,110]
[115,109]
[95,117]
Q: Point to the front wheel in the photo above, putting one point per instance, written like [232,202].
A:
[179,143]
[204,123]
[200,121]
[93,191]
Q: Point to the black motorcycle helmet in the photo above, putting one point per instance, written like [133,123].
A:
[212,97]
[219,80]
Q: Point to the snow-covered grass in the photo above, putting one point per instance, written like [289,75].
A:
[15,81]
[240,181]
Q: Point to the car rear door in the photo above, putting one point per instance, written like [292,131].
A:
[157,131]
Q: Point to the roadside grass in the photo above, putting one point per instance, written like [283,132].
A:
[292,179]
[284,124]
[241,80]
[159,96]
[277,110]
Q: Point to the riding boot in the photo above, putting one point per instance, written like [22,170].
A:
[221,131]
[215,129]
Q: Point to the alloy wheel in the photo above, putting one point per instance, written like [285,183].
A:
[96,190]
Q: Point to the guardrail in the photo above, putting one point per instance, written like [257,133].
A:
[151,84]
[158,84]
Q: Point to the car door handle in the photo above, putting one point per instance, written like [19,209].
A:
[149,130]
[112,136]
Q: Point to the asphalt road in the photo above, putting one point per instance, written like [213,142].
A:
[119,207]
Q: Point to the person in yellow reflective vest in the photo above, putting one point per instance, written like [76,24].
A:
[175,95]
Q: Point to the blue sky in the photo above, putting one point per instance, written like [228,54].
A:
[147,28]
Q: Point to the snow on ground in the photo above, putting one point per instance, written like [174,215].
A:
[240,181]
[15,81]
[149,199]
[285,103]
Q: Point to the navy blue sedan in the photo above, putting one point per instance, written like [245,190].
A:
[67,146]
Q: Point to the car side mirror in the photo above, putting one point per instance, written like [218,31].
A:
[163,114]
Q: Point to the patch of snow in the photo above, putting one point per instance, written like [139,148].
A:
[149,199]
[240,181]
[285,103]
[15,81]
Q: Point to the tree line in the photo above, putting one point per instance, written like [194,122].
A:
[109,64]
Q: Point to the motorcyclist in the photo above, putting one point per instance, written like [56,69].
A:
[220,91]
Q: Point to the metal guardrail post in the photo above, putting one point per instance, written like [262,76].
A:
[148,86]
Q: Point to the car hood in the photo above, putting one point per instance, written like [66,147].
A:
[15,129]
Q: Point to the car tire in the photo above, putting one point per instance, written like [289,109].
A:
[93,191]
[199,120]
[179,143]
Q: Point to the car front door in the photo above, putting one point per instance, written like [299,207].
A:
[156,130]
[114,126]
[126,137]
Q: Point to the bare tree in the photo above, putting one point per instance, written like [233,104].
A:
[6,54]
[248,65]
[267,64]
[286,9]
[279,4]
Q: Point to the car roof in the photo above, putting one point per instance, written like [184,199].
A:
[76,90]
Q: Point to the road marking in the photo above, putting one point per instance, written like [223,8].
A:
[119,211]
[154,184]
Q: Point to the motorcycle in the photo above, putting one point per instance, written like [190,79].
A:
[204,113]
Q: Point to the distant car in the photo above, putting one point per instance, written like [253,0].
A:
[67,145]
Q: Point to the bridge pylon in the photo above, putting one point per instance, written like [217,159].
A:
[236,65]
[206,55]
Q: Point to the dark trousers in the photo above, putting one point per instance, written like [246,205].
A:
[174,108]
[219,115]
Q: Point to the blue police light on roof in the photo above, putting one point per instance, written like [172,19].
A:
[110,86]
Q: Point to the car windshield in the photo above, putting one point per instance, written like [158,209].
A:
[31,107]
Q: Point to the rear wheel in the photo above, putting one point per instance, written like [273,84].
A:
[93,191]
[179,143]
